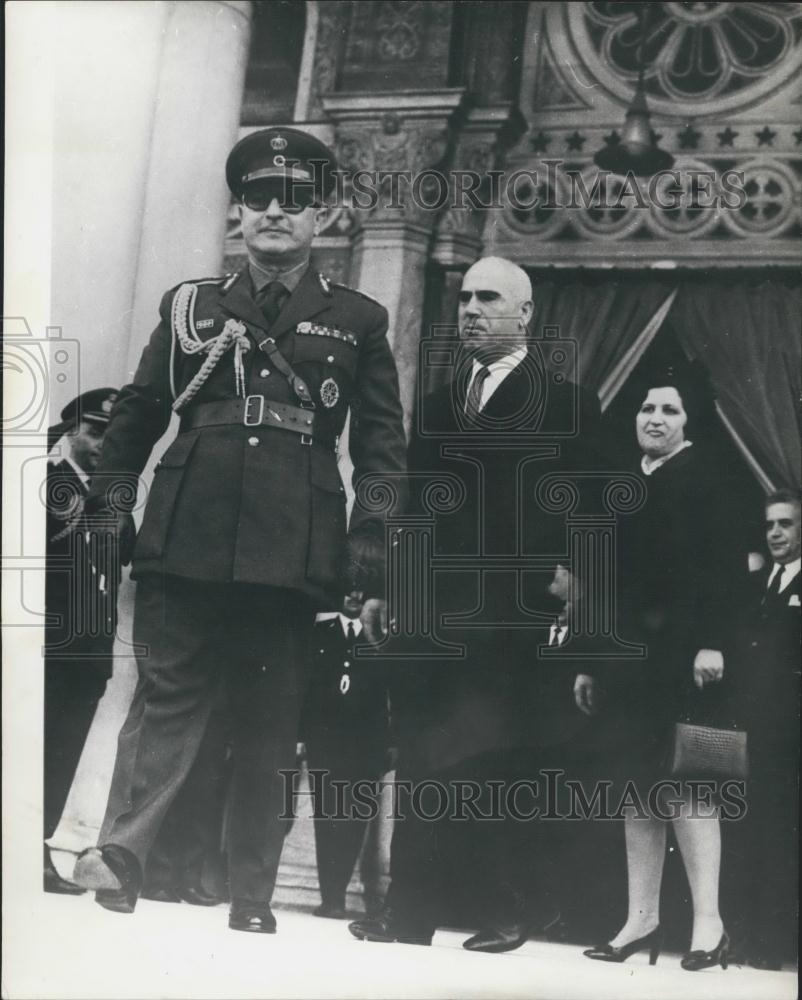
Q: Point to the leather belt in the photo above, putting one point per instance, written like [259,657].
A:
[253,411]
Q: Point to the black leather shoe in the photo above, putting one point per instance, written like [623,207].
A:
[720,955]
[498,939]
[257,918]
[334,911]
[765,962]
[388,928]
[114,872]
[198,896]
[160,894]
[607,953]
[53,882]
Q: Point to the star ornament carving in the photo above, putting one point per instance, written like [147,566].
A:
[540,142]
[689,137]
[765,137]
[575,141]
[727,137]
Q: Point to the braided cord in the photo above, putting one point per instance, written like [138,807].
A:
[233,333]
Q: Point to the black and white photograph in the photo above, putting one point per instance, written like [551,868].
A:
[402,499]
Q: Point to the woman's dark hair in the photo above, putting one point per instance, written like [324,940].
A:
[692,382]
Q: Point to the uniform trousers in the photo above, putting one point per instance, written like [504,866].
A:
[196,633]
[341,820]
[72,692]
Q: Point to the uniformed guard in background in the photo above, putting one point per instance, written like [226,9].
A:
[81,608]
[345,729]
[245,525]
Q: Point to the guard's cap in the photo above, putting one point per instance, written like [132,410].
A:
[284,153]
[94,406]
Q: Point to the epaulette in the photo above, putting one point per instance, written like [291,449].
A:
[356,291]
[227,280]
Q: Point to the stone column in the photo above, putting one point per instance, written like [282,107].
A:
[483,135]
[183,225]
[166,135]
[401,134]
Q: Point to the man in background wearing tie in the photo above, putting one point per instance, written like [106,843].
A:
[345,729]
[244,531]
[766,681]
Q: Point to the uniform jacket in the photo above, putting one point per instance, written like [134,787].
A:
[500,696]
[255,504]
[347,721]
[81,607]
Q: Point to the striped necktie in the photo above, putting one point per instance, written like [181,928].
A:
[473,403]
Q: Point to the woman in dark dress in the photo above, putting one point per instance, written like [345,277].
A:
[680,562]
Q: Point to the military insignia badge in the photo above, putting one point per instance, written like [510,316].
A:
[329,393]
[278,143]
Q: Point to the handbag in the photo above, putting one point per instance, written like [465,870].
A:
[707,751]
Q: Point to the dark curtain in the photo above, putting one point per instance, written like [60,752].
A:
[604,317]
[749,337]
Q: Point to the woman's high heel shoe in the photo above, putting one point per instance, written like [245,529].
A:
[607,953]
[696,960]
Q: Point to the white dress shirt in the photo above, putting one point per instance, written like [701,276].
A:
[788,572]
[498,370]
[324,616]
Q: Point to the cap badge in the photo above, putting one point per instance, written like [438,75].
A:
[329,393]
[278,143]
[279,161]
[106,405]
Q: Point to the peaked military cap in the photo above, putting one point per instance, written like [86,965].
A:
[281,153]
[94,405]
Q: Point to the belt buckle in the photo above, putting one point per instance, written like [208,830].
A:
[246,418]
[306,439]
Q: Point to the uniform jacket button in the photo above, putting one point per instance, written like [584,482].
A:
[264,373]
[253,441]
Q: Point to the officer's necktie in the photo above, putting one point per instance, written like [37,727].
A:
[351,634]
[473,403]
[270,299]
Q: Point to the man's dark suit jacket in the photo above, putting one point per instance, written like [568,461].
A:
[765,679]
[344,729]
[499,697]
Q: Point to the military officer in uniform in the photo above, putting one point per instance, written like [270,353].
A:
[245,525]
[80,602]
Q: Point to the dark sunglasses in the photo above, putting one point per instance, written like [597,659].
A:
[293,198]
